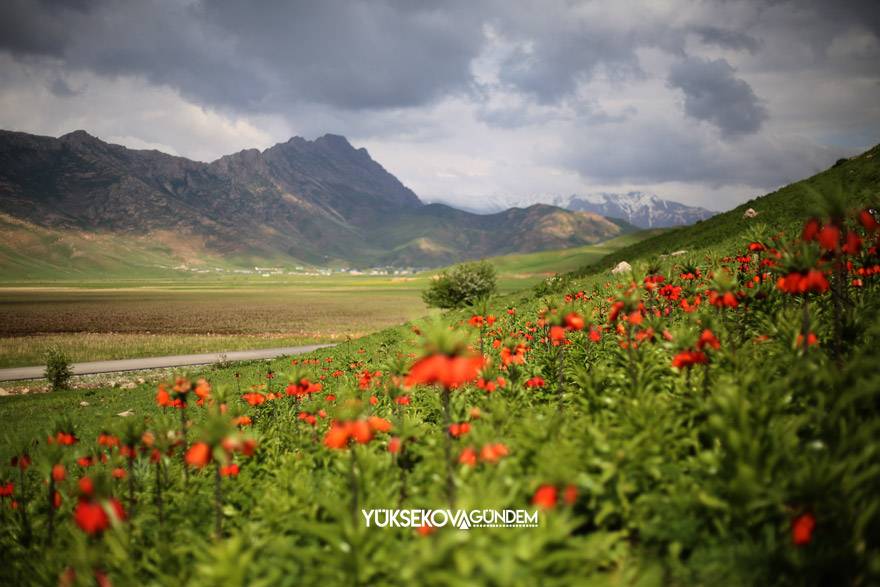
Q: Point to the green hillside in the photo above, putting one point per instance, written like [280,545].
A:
[855,180]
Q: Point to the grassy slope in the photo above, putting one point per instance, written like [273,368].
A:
[783,209]
[857,180]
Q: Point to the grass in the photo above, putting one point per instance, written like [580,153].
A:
[679,477]
[130,317]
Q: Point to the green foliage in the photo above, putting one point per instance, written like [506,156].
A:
[463,285]
[659,474]
[58,371]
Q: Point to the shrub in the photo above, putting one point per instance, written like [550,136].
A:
[58,371]
[462,286]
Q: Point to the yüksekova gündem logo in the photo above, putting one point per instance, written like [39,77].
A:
[461,519]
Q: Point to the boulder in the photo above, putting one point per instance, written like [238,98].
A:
[750,213]
[622,267]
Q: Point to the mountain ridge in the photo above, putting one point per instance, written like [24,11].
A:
[319,202]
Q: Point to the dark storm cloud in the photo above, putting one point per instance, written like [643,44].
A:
[644,85]
[262,56]
[729,39]
[713,93]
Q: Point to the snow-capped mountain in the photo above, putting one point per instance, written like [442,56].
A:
[637,208]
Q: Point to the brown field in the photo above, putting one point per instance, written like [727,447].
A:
[93,324]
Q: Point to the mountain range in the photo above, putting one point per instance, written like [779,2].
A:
[640,209]
[320,202]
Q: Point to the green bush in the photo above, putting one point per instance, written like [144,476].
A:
[58,371]
[462,286]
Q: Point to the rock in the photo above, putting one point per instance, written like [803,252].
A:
[622,267]
[83,404]
[125,414]
[127,385]
[3,391]
[750,213]
[677,253]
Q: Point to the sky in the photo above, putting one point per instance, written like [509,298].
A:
[472,102]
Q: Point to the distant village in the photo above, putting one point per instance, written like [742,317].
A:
[301,270]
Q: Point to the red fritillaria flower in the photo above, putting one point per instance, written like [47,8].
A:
[829,237]
[802,528]
[198,455]
[22,461]
[231,470]
[92,517]
[811,229]
[535,382]
[59,473]
[569,496]
[492,453]
[337,436]
[868,220]
[545,497]
[457,430]
[688,358]
[812,281]
[574,321]
[468,457]
[707,338]
[394,445]
[557,334]
[448,371]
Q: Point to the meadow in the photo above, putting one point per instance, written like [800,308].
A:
[708,418]
[101,317]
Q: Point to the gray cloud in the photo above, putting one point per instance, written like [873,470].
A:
[551,95]
[713,93]
[729,39]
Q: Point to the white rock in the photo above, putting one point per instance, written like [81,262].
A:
[125,414]
[677,253]
[83,404]
[750,213]
[622,267]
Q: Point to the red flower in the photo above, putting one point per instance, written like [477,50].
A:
[802,529]
[457,430]
[163,398]
[813,281]
[59,473]
[688,358]
[449,371]
[92,517]
[254,398]
[574,321]
[118,473]
[198,455]
[811,229]
[707,338]
[492,453]
[557,334]
[535,382]
[468,457]
[829,237]
[868,221]
[570,494]
[545,497]
[811,339]
[394,445]
[853,244]
[229,470]
[378,424]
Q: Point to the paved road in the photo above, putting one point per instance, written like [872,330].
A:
[19,373]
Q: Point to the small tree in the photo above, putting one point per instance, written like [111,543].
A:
[58,371]
[463,286]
